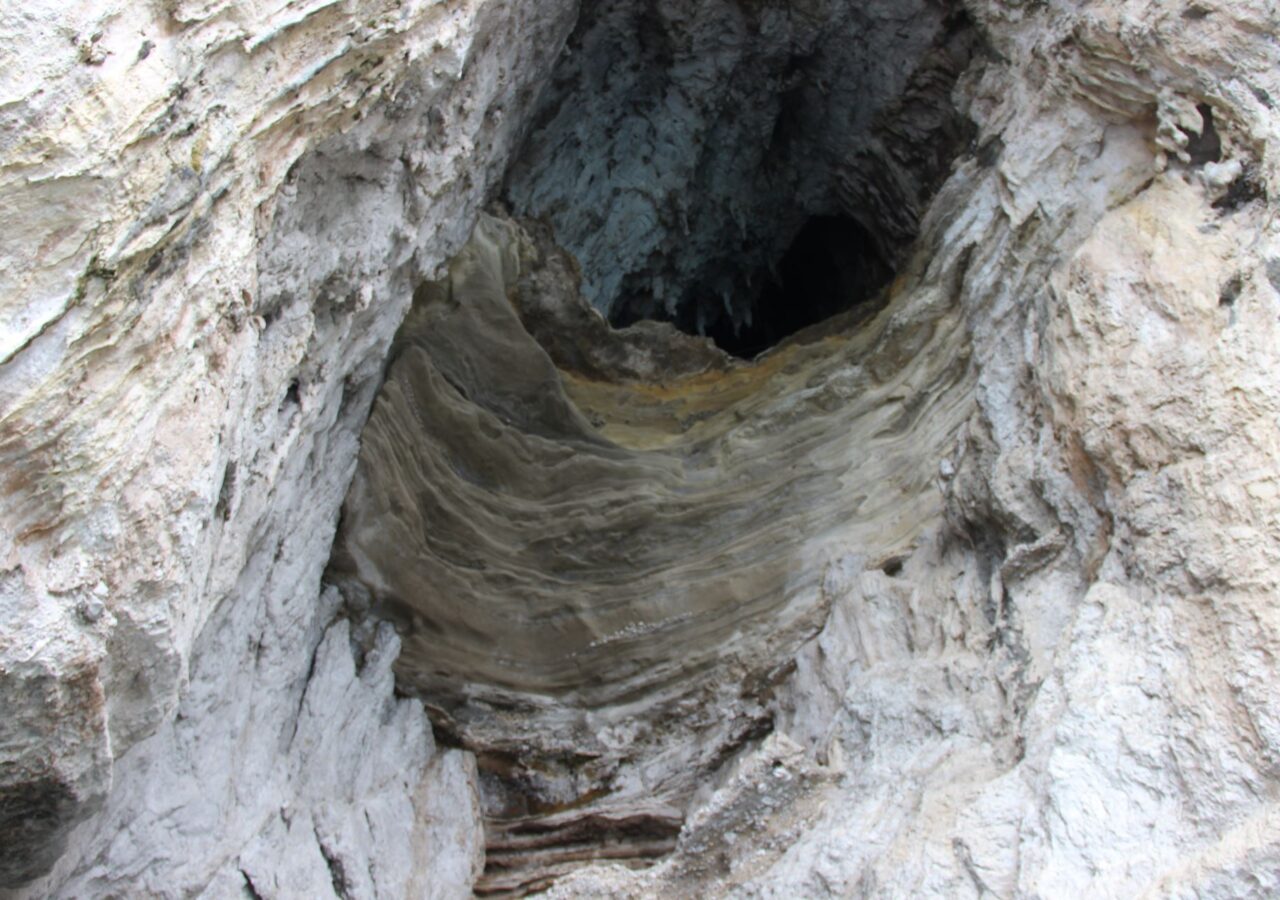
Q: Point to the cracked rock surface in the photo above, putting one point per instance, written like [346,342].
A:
[217,213]
[967,593]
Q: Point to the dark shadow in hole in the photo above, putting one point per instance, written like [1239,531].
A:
[1205,147]
[831,266]
[291,396]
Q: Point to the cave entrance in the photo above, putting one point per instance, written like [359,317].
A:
[744,170]
[832,266]
[738,168]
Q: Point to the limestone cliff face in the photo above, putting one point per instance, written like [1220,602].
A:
[215,213]
[970,593]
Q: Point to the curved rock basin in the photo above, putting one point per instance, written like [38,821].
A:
[602,553]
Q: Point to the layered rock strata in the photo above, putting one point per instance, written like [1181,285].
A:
[1060,691]
[599,578]
[1055,676]
[215,214]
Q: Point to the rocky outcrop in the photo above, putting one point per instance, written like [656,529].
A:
[215,216]
[1057,693]
[969,592]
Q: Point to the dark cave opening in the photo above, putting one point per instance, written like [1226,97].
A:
[832,266]
[737,168]
[743,170]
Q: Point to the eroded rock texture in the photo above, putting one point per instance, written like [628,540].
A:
[1058,693]
[968,593]
[215,214]
[600,579]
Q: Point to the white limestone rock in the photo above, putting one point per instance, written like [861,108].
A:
[215,214]
[1067,689]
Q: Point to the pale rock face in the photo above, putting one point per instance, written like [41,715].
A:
[1052,674]
[215,213]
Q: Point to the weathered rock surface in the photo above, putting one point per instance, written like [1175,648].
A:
[215,214]
[602,579]
[1059,692]
[1024,567]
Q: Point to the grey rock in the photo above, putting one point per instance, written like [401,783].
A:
[1051,673]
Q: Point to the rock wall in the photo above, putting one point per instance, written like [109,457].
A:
[1059,692]
[1059,682]
[216,214]
[600,579]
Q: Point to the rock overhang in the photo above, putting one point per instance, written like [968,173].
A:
[981,644]
[590,538]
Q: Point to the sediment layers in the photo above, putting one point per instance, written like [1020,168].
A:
[607,576]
